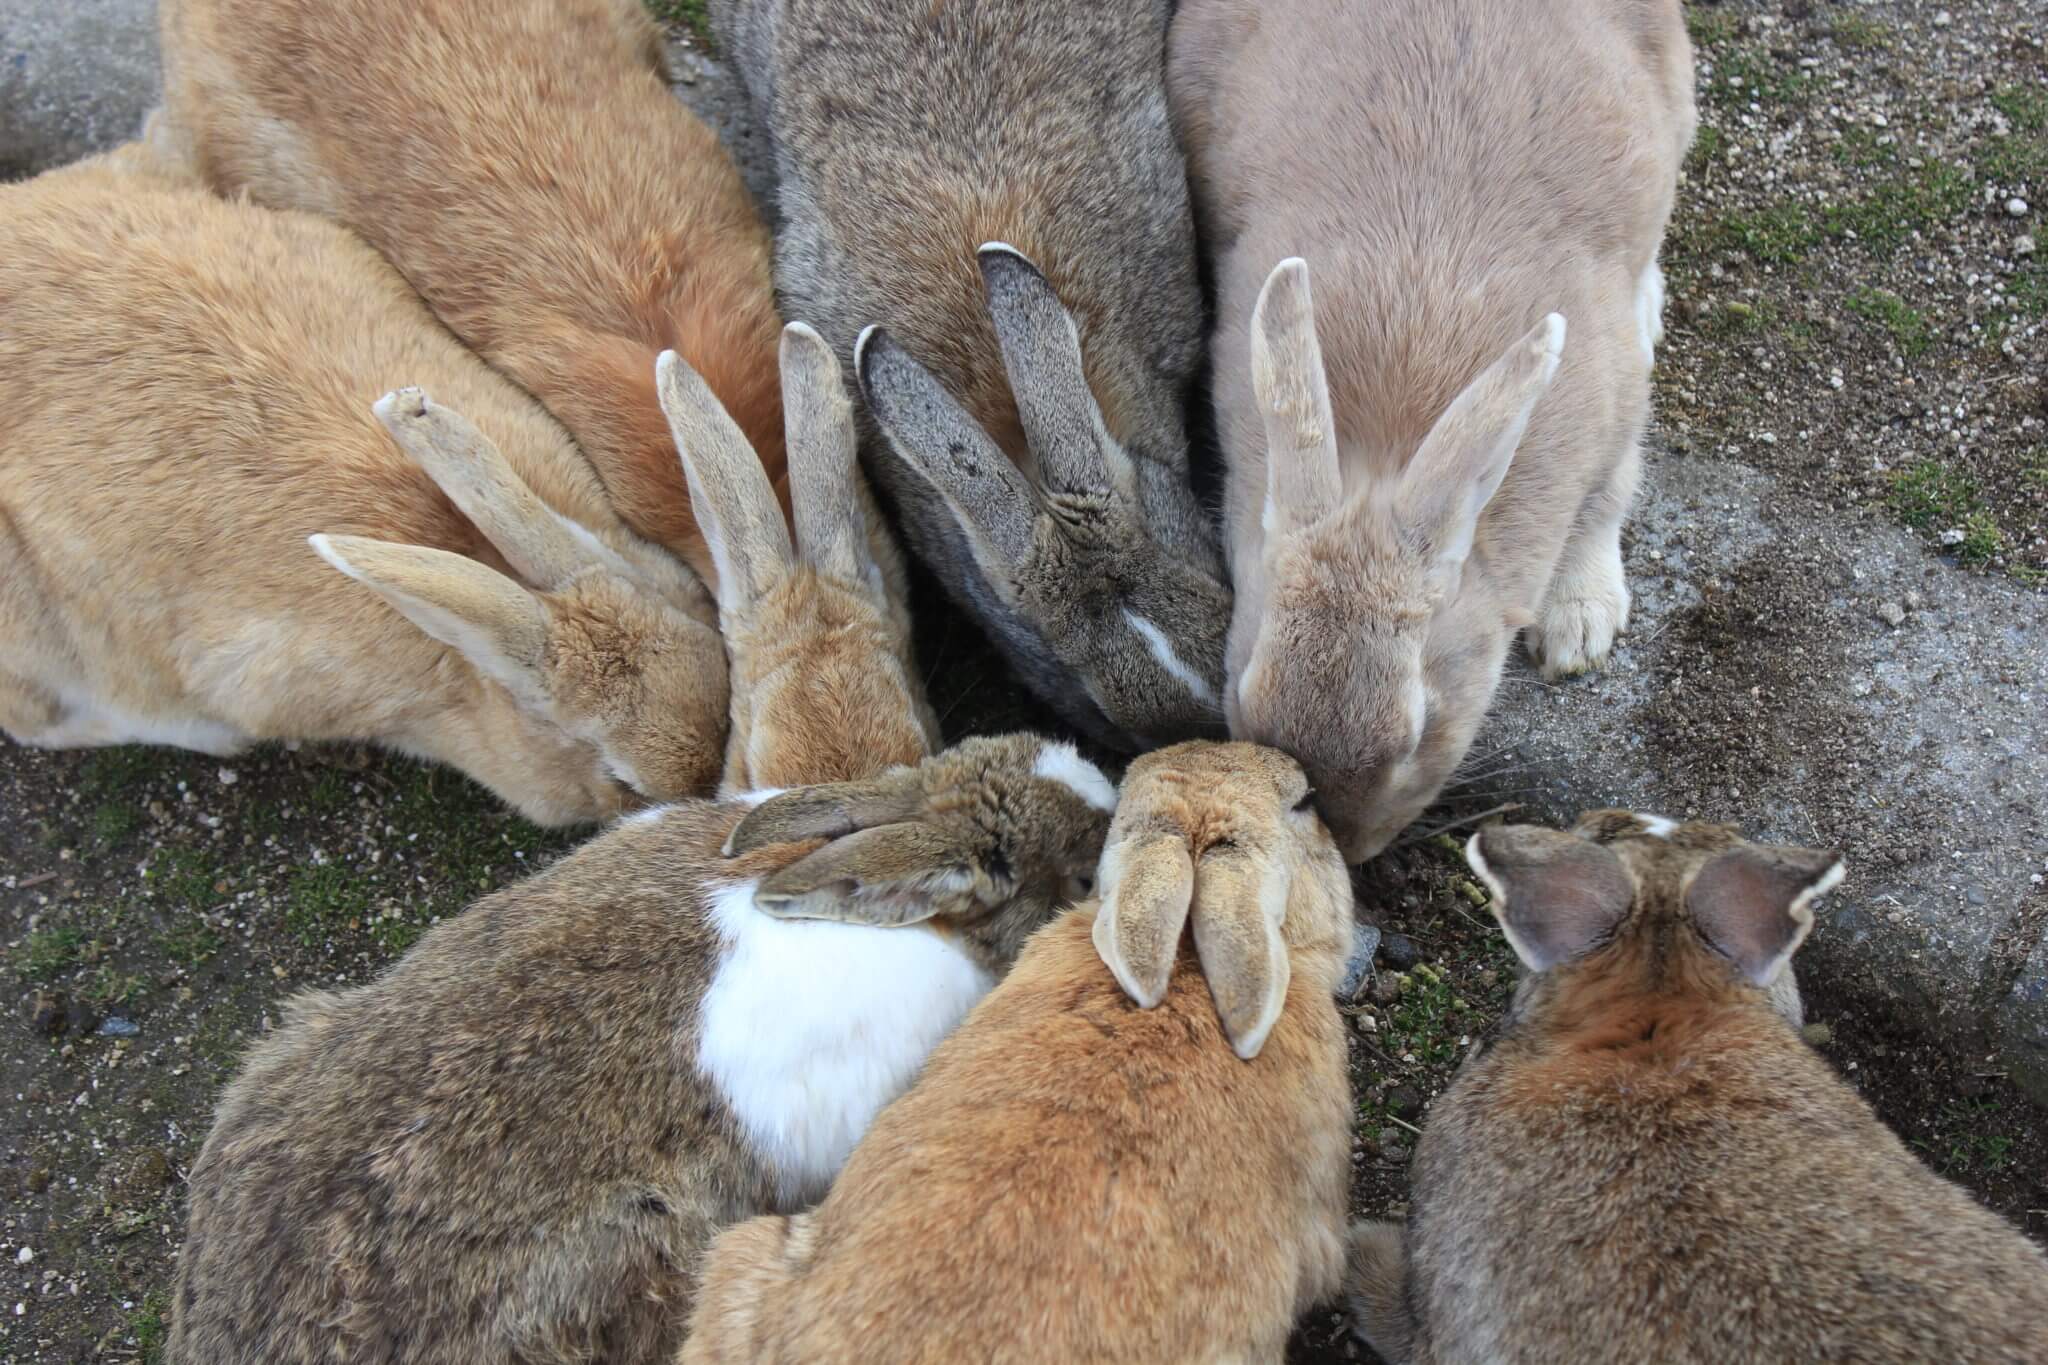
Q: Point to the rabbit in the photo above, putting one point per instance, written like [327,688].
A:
[188,389]
[984,210]
[525,166]
[516,1143]
[1419,464]
[1146,1161]
[1648,1163]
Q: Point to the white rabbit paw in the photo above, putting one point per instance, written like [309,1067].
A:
[1579,622]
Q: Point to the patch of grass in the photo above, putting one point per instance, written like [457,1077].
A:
[1740,317]
[1709,28]
[49,953]
[1860,33]
[2026,108]
[1747,75]
[1861,149]
[109,987]
[189,877]
[124,768]
[1887,217]
[329,790]
[150,1325]
[691,14]
[324,900]
[1934,497]
[1968,1145]
[2014,161]
[1777,234]
[188,945]
[1707,148]
[2029,291]
[1907,325]
[114,821]
[1423,1022]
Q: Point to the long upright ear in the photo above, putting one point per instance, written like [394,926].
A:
[535,539]
[887,876]
[1754,903]
[1042,357]
[827,811]
[932,434]
[730,494]
[1465,456]
[1147,885]
[1556,896]
[831,529]
[1240,901]
[1303,483]
[496,624]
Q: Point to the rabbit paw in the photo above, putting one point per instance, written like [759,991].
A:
[1580,621]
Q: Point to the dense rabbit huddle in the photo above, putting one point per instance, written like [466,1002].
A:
[439,396]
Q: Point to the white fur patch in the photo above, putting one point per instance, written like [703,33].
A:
[810,1027]
[651,816]
[1656,826]
[1059,763]
[1162,651]
[757,796]
[1650,311]
[88,721]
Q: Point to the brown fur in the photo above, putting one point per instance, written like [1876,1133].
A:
[524,165]
[1136,1191]
[1452,174]
[1649,1164]
[503,1149]
[187,388]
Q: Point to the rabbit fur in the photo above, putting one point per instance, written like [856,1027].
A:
[234,355]
[1421,460]
[515,1144]
[1138,1190]
[1648,1163]
[997,187]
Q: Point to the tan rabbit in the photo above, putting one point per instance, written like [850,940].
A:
[1408,487]
[515,1144]
[1130,1188]
[1649,1164]
[187,390]
[524,165]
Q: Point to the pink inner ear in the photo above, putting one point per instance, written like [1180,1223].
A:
[1556,895]
[1751,904]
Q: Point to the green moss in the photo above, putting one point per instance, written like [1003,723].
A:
[49,953]
[325,900]
[114,821]
[1931,496]
[2025,107]
[150,1325]
[691,14]
[188,877]
[125,768]
[189,944]
[1709,27]
[1750,75]
[1907,326]
[1859,33]
[109,987]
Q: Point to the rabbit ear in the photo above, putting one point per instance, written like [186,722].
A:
[1240,901]
[730,494]
[496,624]
[888,876]
[1465,456]
[1755,904]
[827,811]
[933,435]
[831,531]
[1302,478]
[535,539]
[1556,896]
[1042,357]
[1146,888]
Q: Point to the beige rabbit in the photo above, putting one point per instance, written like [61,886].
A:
[525,166]
[1078,1178]
[1408,487]
[1649,1164]
[187,389]
[515,1145]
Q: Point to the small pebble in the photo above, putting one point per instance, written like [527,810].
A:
[1892,614]
[1399,951]
[24,1256]
[2016,206]
[114,1026]
[2023,245]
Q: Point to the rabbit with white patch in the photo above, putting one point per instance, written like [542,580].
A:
[1421,461]
[997,188]
[188,386]
[1158,1180]
[516,1143]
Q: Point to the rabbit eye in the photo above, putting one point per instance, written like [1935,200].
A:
[1307,802]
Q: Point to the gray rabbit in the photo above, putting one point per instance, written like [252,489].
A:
[1031,410]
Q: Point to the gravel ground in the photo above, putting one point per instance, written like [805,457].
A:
[1857,309]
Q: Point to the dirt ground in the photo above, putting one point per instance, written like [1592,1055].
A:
[1847,212]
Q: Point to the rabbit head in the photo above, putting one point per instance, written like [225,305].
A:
[604,640]
[1626,905]
[1102,589]
[822,683]
[983,841]
[1360,643]
[1225,837]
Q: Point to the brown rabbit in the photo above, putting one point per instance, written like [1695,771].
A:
[1420,463]
[1130,1187]
[516,1143]
[524,165]
[1649,1164]
[187,386]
